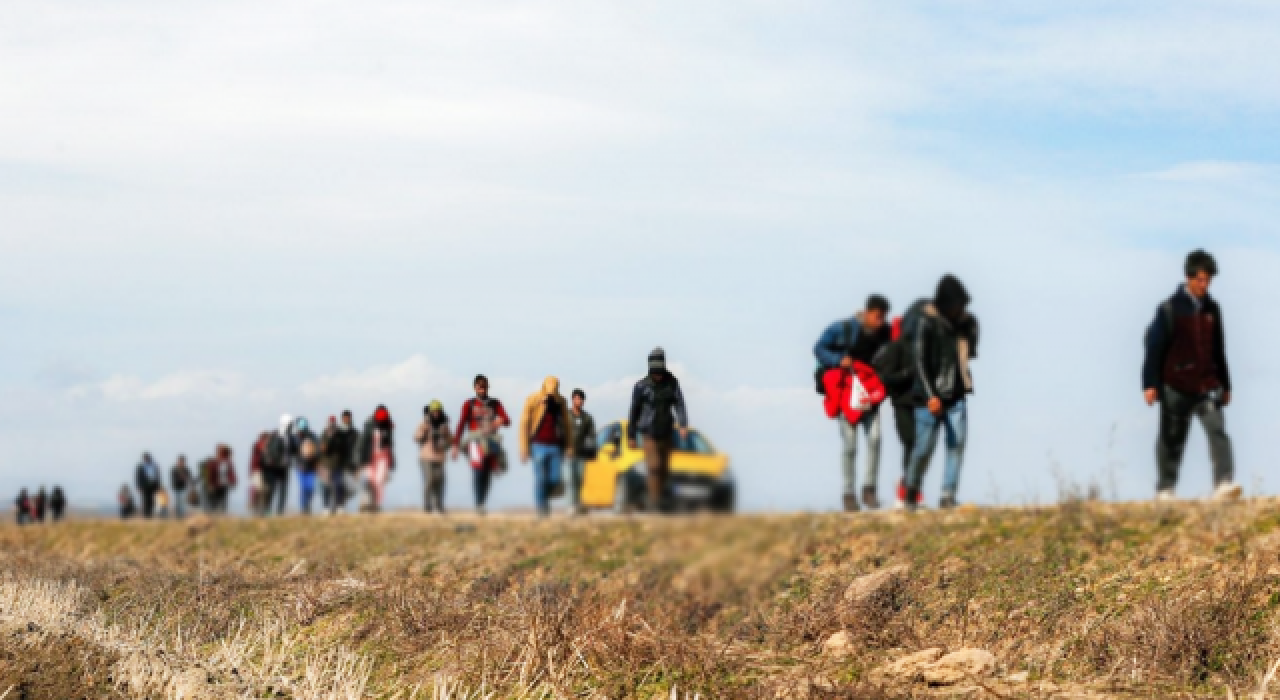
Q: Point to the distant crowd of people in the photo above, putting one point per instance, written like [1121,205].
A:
[343,462]
[920,362]
[43,507]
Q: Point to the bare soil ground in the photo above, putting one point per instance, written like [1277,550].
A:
[1078,600]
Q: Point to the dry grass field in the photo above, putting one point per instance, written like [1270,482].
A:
[1078,600]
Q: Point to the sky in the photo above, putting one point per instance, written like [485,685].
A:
[212,214]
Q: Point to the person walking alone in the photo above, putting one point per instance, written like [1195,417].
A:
[1186,371]
[479,421]
[377,455]
[857,339]
[584,448]
[147,479]
[657,412]
[434,440]
[943,339]
[275,466]
[546,436]
[179,483]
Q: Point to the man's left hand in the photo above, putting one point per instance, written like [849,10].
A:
[684,433]
[1226,399]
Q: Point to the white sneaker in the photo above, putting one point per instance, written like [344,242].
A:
[1227,491]
[899,504]
[1166,496]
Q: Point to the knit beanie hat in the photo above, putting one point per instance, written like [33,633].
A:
[381,415]
[657,359]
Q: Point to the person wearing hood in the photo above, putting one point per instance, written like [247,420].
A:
[42,502]
[657,413]
[434,439]
[377,456]
[147,479]
[943,337]
[307,462]
[1185,370]
[275,467]
[857,339]
[546,437]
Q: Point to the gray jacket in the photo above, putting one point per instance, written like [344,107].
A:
[644,410]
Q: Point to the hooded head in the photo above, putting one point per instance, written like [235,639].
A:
[658,360]
[550,386]
[224,452]
[433,407]
[381,415]
[286,422]
[951,298]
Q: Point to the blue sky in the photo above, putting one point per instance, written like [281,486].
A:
[213,215]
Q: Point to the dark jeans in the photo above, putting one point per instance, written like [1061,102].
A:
[432,486]
[1176,410]
[481,480]
[277,486]
[904,419]
[218,500]
[657,462]
[148,502]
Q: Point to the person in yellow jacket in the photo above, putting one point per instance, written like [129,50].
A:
[546,437]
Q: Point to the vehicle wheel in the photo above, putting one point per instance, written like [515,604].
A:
[624,496]
[723,499]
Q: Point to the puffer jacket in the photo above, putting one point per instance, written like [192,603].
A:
[851,398]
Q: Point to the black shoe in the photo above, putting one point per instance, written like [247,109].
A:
[851,503]
[869,498]
[913,499]
[947,501]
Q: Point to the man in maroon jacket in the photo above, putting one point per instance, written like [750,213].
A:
[1186,371]
[479,420]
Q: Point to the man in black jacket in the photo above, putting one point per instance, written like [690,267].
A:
[1185,369]
[943,338]
[657,412]
[148,480]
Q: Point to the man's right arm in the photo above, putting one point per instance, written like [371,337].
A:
[828,350]
[920,346]
[1157,344]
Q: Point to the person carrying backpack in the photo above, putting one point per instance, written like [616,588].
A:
[857,339]
[943,339]
[1185,369]
[147,478]
[179,482]
[657,413]
[584,448]
[307,462]
[275,467]
[896,372]
[477,435]
[546,438]
[434,440]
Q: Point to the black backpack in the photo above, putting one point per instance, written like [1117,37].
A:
[664,402]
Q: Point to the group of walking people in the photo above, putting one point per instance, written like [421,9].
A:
[920,363]
[556,437]
[45,506]
[207,489]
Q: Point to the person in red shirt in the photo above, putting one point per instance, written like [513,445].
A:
[478,424]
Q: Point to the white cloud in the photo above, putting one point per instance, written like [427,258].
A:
[1212,171]
[196,385]
[416,374]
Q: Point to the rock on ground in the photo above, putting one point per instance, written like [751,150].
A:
[838,645]
[866,586]
[935,668]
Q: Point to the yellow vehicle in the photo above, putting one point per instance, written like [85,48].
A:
[700,475]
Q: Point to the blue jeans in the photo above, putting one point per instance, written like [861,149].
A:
[546,474]
[956,422]
[307,489]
